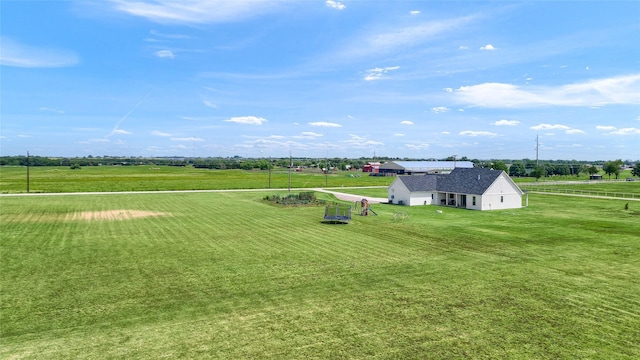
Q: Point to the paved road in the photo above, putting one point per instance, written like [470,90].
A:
[351,197]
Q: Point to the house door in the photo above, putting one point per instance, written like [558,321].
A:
[463,201]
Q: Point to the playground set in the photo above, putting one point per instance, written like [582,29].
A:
[342,213]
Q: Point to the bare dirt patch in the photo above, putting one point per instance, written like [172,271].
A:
[113,215]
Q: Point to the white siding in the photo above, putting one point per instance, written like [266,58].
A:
[398,193]
[422,198]
[502,194]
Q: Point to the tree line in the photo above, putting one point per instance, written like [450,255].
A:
[516,168]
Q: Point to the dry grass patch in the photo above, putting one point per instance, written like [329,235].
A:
[112,215]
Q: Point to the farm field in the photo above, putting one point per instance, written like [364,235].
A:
[226,275]
[155,178]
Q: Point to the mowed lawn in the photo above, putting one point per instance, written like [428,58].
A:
[224,275]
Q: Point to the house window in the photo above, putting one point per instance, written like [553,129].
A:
[431,196]
[473,201]
[501,198]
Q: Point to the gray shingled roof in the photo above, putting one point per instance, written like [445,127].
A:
[469,180]
[461,180]
[424,165]
[428,182]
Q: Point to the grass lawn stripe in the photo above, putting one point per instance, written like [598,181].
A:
[226,276]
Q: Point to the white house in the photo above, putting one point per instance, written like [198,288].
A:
[469,188]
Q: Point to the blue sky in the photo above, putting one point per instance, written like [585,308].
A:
[418,79]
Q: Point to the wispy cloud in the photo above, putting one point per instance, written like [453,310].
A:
[335,4]
[506,123]
[565,128]
[615,90]
[121,132]
[14,53]
[46,109]
[420,146]
[194,11]
[384,40]
[159,133]
[612,130]
[248,120]
[414,12]
[324,124]
[164,54]
[208,103]
[477,133]
[439,109]
[169,36]
[378,73]
[193,138]
[406,122]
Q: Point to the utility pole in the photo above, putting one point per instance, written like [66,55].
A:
[290,166]
[27,171]
[537,147]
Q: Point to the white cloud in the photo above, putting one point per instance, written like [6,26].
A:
[617,90]
[574,131]
[164,54]
[414,12]
[462,47]
[209,104]
[383,40]
[194,11]
[310,134]
[417,146]
[445,132]
[398,134]
[506,123]
[335,4]
[51,110]
[439,109]
[550,127]
[605,128]
[159,133]
[565,128]
[612,130]
[448,90]
[406,122]
[324,124]
[249,120]
[13,53]
[488,47]
[378,73]
[477,133]
[169,36]
[187,139]
[120,131]
[626,131]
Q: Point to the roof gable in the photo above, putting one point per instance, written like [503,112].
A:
[469,180]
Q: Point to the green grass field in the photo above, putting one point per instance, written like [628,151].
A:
[225,275]
[153,178]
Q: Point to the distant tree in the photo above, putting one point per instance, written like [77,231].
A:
[499,165]
[538,172]
[517,169]
[591,170]
[612,168]
[636,170]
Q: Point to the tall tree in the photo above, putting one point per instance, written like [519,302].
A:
[612,168]
[636,170]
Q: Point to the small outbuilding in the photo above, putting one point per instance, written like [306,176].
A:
[468,188]
[422,167]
